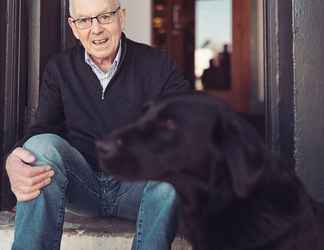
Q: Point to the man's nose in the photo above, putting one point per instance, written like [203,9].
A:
[96,26]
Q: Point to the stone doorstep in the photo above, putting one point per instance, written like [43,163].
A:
[87,233]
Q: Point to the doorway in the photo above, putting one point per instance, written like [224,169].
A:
[175,32]
[227,35]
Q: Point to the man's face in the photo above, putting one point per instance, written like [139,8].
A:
[101,41]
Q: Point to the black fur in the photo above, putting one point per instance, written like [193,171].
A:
[235,193]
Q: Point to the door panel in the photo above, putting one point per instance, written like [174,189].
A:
[13,68]
[19,93]
[173,29]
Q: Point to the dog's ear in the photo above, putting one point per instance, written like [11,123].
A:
[243,151]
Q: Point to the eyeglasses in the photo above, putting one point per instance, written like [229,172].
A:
[105,18]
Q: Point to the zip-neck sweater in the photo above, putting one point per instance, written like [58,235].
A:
[73,104]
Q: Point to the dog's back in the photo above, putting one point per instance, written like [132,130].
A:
[269,220]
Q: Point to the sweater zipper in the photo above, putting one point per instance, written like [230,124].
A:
[103,94]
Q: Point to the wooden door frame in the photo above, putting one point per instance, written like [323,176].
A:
[279,77]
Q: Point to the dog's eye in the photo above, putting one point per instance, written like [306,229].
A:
[166,131]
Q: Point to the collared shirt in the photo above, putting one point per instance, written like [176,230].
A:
[104,77]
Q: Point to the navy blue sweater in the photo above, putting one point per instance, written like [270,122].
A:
[71,103]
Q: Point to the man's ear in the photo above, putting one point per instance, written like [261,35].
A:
[73,28]
[122,18]
[243,151]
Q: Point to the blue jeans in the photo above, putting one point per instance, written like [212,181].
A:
[39,222]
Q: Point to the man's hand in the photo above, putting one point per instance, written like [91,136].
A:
[26,181]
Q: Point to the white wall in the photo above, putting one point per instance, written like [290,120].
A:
[138,20]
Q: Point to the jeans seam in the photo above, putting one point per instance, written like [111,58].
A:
[139,239]
[60,221]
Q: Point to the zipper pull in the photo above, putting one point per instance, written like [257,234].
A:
[103,95]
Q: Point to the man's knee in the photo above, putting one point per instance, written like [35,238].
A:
[44,141]
[48,149]
[45,144]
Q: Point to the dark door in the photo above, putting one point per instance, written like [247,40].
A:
[54,36]
[13,76]
[18,92]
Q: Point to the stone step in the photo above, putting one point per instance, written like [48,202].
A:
[86,233]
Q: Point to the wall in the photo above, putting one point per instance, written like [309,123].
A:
[309,90]
[138,20]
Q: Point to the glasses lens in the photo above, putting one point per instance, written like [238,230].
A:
[105,18]
[83,23]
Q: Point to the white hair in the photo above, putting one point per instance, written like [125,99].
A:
[118,2]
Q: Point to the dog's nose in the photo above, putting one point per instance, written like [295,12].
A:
[108,147]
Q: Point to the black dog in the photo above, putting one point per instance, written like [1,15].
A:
[235,193]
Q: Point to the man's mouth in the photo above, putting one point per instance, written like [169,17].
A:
[100,41]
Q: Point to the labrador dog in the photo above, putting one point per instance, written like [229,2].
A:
[235,193]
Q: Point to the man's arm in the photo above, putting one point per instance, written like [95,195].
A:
[50,115]
[27,181]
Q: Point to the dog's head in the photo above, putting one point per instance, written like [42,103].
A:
[186,136]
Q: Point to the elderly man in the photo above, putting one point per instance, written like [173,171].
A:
[86,92]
